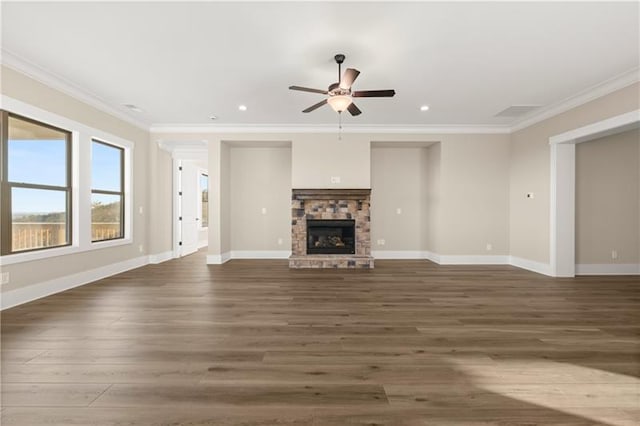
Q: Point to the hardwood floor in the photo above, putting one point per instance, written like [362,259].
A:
[255,343]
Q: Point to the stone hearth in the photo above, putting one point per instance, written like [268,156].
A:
[329,204]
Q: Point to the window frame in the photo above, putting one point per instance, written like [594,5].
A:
[6,220]
[123,203]
[81,170]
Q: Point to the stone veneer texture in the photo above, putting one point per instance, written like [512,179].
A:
[330,204]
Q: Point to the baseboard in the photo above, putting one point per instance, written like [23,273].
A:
[530,265]
[434,257]
[479,259]
[608,269]
[160,257]
[22,295]
[260,254]
[398,254]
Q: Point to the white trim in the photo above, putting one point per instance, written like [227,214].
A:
[81,185]
[328,128]
[433,257]
[562,186]
[56,82]
[32,70]
[398,254]
[608,269]
[260,254]
[530,265]
[160,257]
[479,259]
[22,295]
[218,259]
[599,129]
[203,243]
[597,91]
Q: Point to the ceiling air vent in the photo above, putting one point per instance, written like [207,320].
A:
[517,110]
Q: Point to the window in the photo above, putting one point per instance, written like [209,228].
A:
[204,200]
[36,185]
[107,191]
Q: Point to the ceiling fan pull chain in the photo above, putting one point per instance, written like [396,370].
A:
[340,126]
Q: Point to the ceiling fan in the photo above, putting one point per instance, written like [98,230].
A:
[340,94]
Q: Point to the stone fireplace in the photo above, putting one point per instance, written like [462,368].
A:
[330,228]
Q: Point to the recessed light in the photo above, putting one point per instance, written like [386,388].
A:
[424,108]
[213,117]
[133,107]
[242,107]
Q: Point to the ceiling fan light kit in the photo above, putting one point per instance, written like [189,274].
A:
[339,95]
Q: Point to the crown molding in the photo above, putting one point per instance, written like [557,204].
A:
[328,128]
[65,86]
[594,92]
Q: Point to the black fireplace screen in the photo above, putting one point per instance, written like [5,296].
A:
[331,236]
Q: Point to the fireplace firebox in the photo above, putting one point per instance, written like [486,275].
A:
[332,236]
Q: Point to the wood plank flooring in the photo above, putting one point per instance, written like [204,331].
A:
[255,343]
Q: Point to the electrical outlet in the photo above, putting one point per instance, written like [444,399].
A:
[264,210]
[398,210]
[140,209]
[141,248]
[381,242]
[614,254]
[5,278]
[335,179]
[489,247]
[280,241]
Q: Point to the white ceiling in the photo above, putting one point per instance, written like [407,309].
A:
[182,62]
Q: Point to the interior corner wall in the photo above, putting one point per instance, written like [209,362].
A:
[23,275]
[260,199]
[607,199]
[398,186]
[529,160]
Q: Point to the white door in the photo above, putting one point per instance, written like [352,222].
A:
[189,208]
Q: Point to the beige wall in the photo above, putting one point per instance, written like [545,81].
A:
[397,182]
[474,175]
[607,204]
[25,89]
[433,198]
[318,157]
[160,211]
[260,178]
[530,170]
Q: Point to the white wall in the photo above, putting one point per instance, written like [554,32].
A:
[607,203]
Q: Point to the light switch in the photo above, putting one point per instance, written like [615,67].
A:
[264,210]
[335,179]
[398,210]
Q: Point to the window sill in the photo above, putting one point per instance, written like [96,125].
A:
[61,251]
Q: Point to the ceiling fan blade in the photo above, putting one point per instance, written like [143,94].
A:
[353,109]
[308,89]
[374,93]
[348,78]
[316,106]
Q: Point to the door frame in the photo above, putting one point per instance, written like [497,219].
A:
[563,186]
